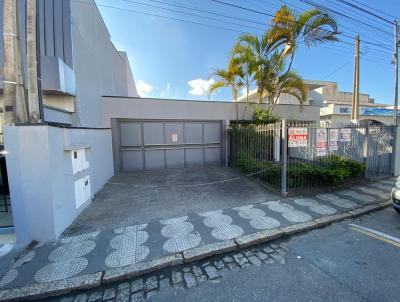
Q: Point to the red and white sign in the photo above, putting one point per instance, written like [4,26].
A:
[333,139]
[298,137]
[322,142]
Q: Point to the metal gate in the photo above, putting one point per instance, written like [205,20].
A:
[160,144]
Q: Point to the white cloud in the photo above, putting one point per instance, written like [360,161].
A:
[143,88]
[165,93]
[200,86]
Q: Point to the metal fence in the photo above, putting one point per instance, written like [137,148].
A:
[290,156]
[256,151]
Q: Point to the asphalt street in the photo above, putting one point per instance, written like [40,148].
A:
[336,263]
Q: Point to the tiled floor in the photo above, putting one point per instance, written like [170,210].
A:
[142,197]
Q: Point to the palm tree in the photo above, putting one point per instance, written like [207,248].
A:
[229,78]
[256,51]
[242,56]
[312,27]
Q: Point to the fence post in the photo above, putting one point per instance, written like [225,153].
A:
[365,148]
[395,150]
[284,158]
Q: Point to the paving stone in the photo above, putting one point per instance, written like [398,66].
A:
[223,271]
[278,258]
[281,251]
[95,297]
[151,283]
[189,280]
[227,259]
[219,264]
[268,250]
[67,299]
[269,261]
[176,277]
[150,295]
[164,283]
[109,294]
[136,285]
[207,263]
[240,259]
[124,286]
[122,294]
[81,298]
[261,255]
[186,269]
[284,246]
[197,271]
[211,272]
[248,253]
[254,260]
[232,266]
[201,278]
[137,297]
[274,246]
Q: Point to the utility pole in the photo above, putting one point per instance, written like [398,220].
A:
[355,105]
[396,71]
[33,61]
[15,106]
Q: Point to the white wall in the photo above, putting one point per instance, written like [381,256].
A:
[149,108]
[40,174]
[99,68]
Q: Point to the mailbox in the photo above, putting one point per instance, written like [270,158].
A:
[79,161]
[82,190]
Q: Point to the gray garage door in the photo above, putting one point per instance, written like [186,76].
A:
[152,145]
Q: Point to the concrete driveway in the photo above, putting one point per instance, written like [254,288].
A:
[141,197]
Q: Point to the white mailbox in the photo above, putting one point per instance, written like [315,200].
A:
[82,190]
[79,162]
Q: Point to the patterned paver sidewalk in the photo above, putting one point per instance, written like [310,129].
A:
[105,251]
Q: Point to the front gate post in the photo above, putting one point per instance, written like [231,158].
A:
[284,158]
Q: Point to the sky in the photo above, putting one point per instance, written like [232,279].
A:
[171,58]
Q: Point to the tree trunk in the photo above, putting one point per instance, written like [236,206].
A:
[280,90]
[247,101]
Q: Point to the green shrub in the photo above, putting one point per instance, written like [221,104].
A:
[330,171]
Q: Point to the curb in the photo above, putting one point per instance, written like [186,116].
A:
[57,288]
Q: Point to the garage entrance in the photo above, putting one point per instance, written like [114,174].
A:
[141,145]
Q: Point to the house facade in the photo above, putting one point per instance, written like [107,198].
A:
[96,125]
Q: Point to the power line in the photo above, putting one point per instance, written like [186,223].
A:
[161,16]
[174,4]
[342,14]
[299,9]
[345,20]
[271,15]
[378,10]
[190,14]
[336,70]
[191,22]
[365,11]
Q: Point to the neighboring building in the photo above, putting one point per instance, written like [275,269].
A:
[336,106]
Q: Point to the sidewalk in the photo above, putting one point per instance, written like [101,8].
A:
[87,260]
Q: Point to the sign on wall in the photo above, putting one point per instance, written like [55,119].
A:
[322,141]
[333,139]
[298,137]
[345,135]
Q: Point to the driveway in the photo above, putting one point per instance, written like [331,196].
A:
[141,197]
